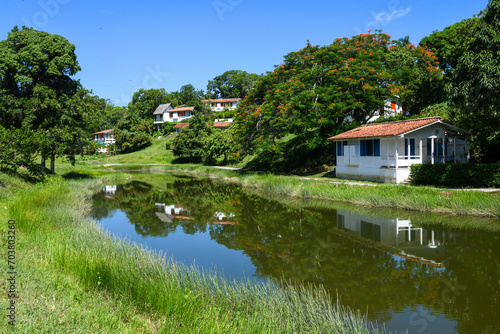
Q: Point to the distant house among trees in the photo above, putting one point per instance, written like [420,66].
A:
[385,151]
[104,138]
[220,104]
[167,113]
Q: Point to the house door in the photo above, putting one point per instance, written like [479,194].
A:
[350,153]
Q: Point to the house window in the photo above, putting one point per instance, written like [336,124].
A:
[393,105]
[411,141]
[340,148]
[181,113]
[171,114]
[370,148]
[438,147]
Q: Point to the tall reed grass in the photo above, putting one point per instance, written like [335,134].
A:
[51,217]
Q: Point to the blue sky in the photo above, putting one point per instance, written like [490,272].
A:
[126,45]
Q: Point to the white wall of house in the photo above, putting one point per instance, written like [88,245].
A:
[219,106]
[104,139]
[391,161]
[392,107]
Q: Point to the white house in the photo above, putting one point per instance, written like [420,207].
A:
[220,104]
[392,107]
[104,138]
[385,151]
[167,113]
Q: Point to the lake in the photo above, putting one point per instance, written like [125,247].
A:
[401,267]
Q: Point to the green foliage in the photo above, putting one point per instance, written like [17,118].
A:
[18,148]
[190,141]
[220,143]
[37,92]
[473,86]
[456,175]
[231,84]
[318,90]
[145,101]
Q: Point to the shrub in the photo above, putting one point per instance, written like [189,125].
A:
[456,175]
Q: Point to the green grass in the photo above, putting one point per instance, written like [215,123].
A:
[67,264]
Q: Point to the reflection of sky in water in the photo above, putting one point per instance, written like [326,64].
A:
[419,320]
[195,248]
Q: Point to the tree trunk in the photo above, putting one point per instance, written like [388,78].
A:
[42,163]
[52,164]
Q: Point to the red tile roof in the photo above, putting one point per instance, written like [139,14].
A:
[104,131]
[181,125]
[181,109]
[386,129]
[222,124]
[216,125]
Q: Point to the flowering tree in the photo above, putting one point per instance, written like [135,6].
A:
[319,91]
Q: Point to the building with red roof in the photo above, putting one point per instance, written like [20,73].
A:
[385,151]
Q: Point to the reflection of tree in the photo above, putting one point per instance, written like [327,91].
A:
[472,292]
[298,245]
[137,200]
[303,244]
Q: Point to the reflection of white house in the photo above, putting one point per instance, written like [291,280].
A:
[384,151]
[410,242]
[224,218]
[167,113]
[109,190]
[221,104]
[104,138]
[173,210]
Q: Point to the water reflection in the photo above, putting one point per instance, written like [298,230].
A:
[424,279]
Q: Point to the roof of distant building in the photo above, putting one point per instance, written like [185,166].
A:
[181,125]
[222,124]
[161,108]
[104,131]
[181,109]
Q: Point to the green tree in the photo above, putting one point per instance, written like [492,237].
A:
[36,88]
[474,87]
[145,101]
[188,95]
[231,84]
[190,142]
[220,143]
[318,90]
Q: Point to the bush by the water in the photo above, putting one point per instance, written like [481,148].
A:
[456,175]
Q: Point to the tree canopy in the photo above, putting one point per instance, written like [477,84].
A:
[317,90]
[231,84]
[37,92]
[469,52]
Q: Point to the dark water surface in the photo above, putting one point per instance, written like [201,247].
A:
[394,264]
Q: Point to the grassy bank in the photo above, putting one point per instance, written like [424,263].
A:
[75,278]
[406,197]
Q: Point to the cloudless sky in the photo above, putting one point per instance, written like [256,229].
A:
[126,45]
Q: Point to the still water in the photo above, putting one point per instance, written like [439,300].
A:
[395,265]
